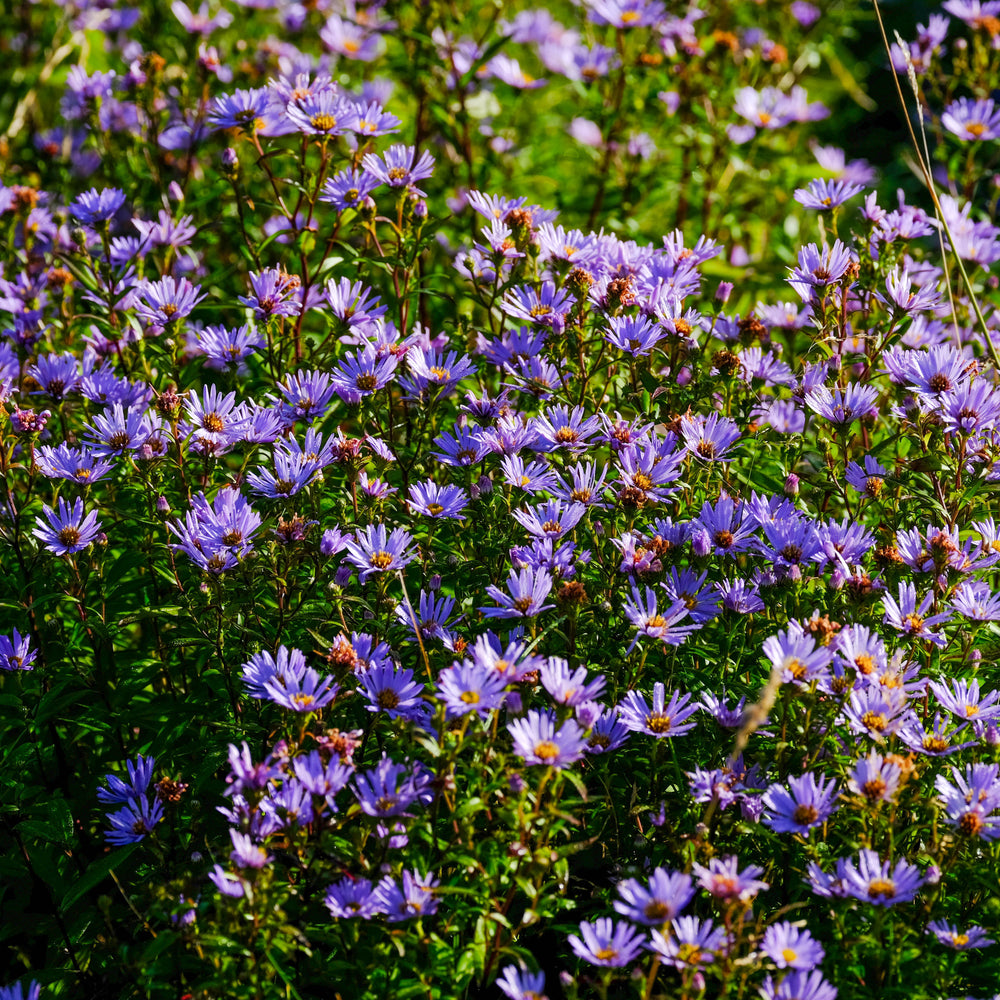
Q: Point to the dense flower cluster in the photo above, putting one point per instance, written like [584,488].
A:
[511,591]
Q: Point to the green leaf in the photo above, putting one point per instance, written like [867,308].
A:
[96,874]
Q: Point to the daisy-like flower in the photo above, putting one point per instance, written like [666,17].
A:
[842,406]
[661,719]
[373,550]
[709,438]
[868,480]
[907,617]
[798,657]
[975,121]
[388,789]
[305,692]
[324,112]
[349,188]
[399,167]
[538,741]
[471,687]
[272,293]
[692,943]
[246,110]
[969,802]
[904,297]
[436,501]
[799,984]
[606,943]
[78,465]
[131,823]
[635,335]
[351,898]
[567,686]
[550,520]
[649,621]
[963,699]
[823,195]
[723,879]
[166,301]
[527,592]
[67,530]
[875,777]
[952,937]
[394,692]
[791,947]
[414,897]
[140,774]
[16,652]
[818,269]
[976,601]
[95,206]
[879,882]
[806,803]
[653,904]
[519,984]
[362,373]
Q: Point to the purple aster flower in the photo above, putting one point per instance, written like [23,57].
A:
[561,428]
[689,586]
[224,347]
[246,853]
[907,617]
[213,418]
[809,803]
[548,306]
[166,301]
[388,789]
[972,406]
[272,293]
[519,984]
[434,371]
[228,883]
[363,373]
[739,596]
[646,618]
[963,699]
[396,167]
[876,711]
[372,119]
[767,108]
[324,112]
[978,121]
[904,297]
[970,801]
[436,501]
[934,739]
[373,550]
[976,601]
[879,882]
[791,947]
[349,188]
[538,741]
[246,110]
[413,898]
[131,823]
[666,894]
[868,480]
[710,437]
[798,657]
[800,984]
[649,469]
[724,880]
[550,520]
[304,396]
[662,719]
[875,777]
[95,206]
[587,484]
[692,943]
[819,268]
[430,617]
[67,531]
[824,195]
[305,692]
[635,335]
[527,591]
[727,532]
[394,692]
[352,898]
[471,687]
[16,652]
[567,686]
[842,406]
[608,944]
[607,733]
[18,991]
[140,774]
[952,937]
